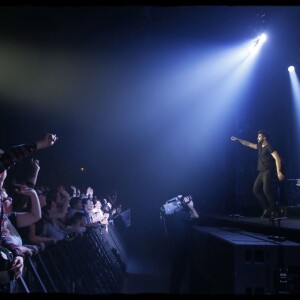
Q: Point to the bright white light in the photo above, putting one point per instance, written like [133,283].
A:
[291,68]
[262,38]
[257,43]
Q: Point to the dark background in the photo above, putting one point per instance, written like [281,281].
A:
[142,98]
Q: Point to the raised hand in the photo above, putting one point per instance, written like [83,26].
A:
[47,141]
[35,164]
[89,192]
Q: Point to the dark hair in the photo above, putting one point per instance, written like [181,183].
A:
[75,218]
[74,201]
[51,196]
[85,200]
[264,133]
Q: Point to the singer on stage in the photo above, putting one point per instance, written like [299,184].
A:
[269,162]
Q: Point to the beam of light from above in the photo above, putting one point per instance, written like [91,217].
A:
[296,93]
[206,95]
[295,86]
[187,97]
[295,89]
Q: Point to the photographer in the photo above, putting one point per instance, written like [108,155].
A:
[178,235]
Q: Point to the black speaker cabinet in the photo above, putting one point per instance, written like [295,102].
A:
[226,261]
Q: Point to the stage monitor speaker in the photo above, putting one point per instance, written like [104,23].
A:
[227,262]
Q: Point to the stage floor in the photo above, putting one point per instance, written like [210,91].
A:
[287,227]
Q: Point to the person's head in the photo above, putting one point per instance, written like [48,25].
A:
[97,204]
[21,202]
[87,204]
[119,209]
[51,199]
[262,136]
[76,202]
[77,220]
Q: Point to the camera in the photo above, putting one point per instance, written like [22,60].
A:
[175,204]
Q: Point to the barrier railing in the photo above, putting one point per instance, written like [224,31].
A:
[94,263]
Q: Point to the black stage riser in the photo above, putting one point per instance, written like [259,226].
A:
[227,261]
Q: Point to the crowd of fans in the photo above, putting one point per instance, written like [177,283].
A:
[34,217]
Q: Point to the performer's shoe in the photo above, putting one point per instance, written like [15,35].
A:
[265,213]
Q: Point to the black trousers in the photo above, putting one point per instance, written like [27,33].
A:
[262,189]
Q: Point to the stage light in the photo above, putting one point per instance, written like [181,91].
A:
[262,38]
[257,43]
[295,88]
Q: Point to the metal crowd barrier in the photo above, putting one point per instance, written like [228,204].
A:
[94,263]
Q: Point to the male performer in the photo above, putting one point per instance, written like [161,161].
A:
[268,162]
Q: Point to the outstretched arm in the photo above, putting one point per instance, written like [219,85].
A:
[18,153]
[244,142]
